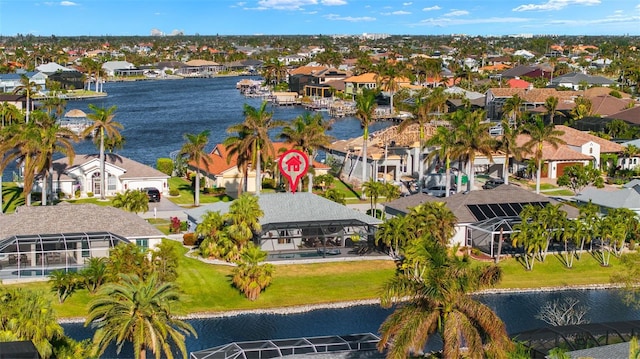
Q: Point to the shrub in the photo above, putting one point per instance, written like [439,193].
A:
[77,193]
[269,183]
[165,165]
[89,194]
[175,225]
[189,239]
[174,192]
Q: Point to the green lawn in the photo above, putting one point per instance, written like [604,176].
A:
[207,287]
[186,193]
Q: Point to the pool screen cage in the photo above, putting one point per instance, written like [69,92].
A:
[486,235]
[24,256]
[275,348]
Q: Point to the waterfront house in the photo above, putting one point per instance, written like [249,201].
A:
[301,221]
[121,68]
[223,171]
[200,68]
[626,197]
[82,177]
[353,85]
[9,82]
[481,215]
[39,239]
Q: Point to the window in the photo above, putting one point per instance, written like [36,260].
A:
[111,182]
[142,243]
[284,240]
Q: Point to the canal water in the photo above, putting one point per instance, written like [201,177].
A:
[517,310]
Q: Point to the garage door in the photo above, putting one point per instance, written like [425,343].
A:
[562,166]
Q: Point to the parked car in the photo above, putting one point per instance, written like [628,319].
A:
[493,183]
[152,193]
[438,191]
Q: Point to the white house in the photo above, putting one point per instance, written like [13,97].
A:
[122,174]
[111,67]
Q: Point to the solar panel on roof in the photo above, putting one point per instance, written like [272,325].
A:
[497,209]
[488,213]
[476,212]
[509,210]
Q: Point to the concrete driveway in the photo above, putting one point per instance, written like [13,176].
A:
[164,209]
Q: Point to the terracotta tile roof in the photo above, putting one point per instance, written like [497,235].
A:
[307,70]
[219,154]
[600,91]
[458,202]
[631,115]
[368,77]
[201,63]
[518,83]
[605,105]
[572,138]
[506,91]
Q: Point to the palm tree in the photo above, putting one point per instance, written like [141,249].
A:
[551,105]
[438,286]
[239,149]
[135,201]
[139,311]
[256,126]
[365,109]
[22,144]
[250,276]
[473,138]
[512,109]
[420,116]
[433,219]
[28,88]
[629,152]
[395,233]
[445,141]
[194,151]
[103,127]
[307,133]
[508,144]
[54,139]
[373,189]
[539,134]
[243,219]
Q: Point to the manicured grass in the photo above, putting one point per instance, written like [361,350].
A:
[11,197]
[161,223]
[186,193]
[559,192]
[207,287]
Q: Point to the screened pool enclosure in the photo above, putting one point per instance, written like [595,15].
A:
[24,256]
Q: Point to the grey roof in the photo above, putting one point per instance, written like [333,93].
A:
[620,350]
[576,78]
[458,202]
[302,207]
[75,218]
[133,169]
[627,197]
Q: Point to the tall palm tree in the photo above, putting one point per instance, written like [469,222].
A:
[512,110]
[551,105]
[438,286]
[365,109]
[22,144]
[420,111]
[250,276]
[445,141]
[307,133]
[539,135]
[103,127]
[433,219]
[194,150]
[139,311]
[508,144]
[54,139]
[240,150]
[373,189]
[473,138]
[27,88]
[257,124]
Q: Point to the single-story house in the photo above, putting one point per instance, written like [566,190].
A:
[37,240]
[575,80]
[626,197]
[481,215]
[223,172]
[580,148]
[122,173]
[299,221]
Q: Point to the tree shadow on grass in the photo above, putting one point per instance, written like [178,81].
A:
[12,198]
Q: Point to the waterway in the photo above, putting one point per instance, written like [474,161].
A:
[517,310]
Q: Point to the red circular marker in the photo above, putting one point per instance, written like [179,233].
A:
[293,165]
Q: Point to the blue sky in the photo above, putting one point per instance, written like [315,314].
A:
[290,17]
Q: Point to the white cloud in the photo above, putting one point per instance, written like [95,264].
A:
[333,2]
[311,12]
[285,4]
[349,18]
[399,12]
[67,3]
[555,5]
[432,8]
[457,13]
[447,21]
[407,3]
[615,19]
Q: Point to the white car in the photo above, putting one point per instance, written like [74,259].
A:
[438,191]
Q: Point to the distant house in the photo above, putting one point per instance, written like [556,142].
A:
[580,148]
[121,68]
[530,71]
[9,82]
[495,98]
[198,68]
[575,80]
[355,84]
[626,197]
[83,175]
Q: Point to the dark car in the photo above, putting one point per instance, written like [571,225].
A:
[493,183]
[152,193]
